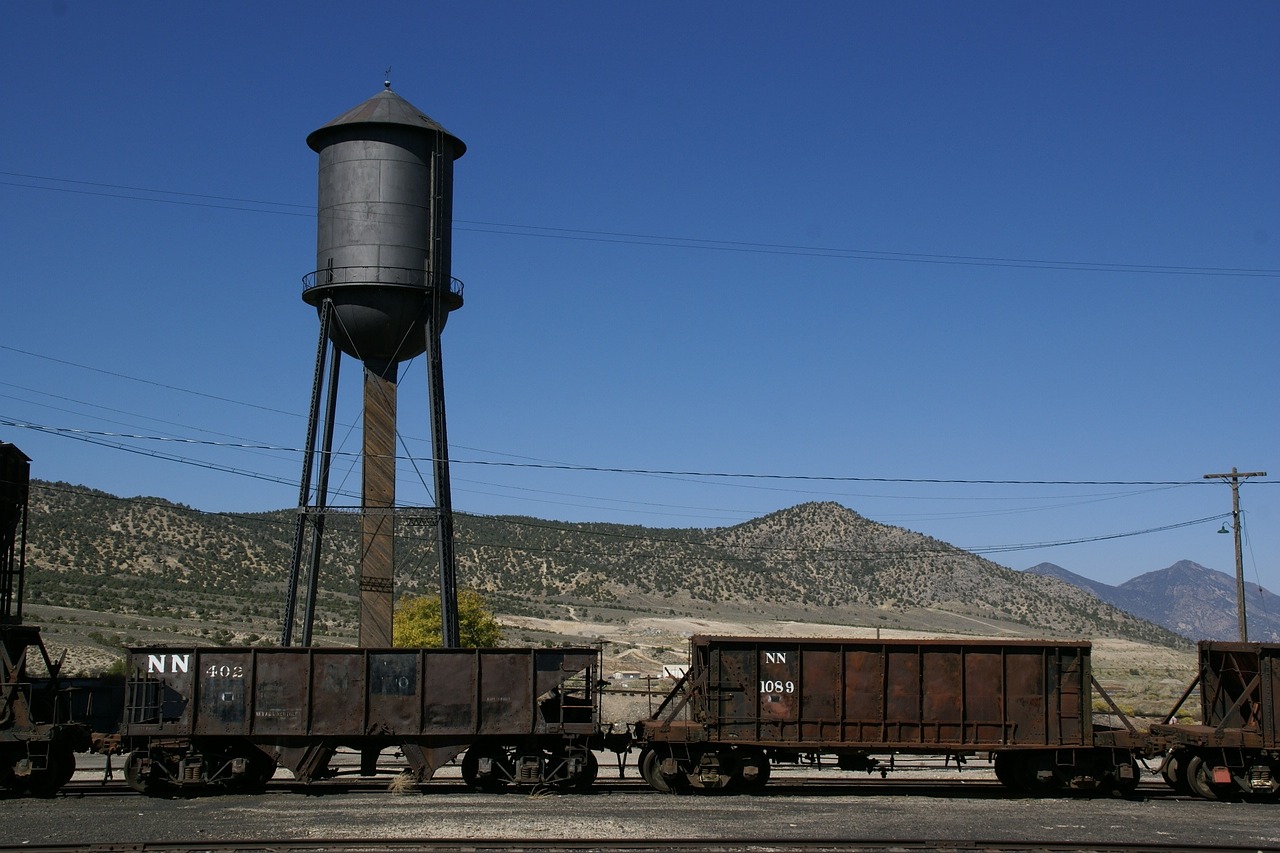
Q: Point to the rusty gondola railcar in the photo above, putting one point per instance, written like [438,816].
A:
[230,716]
[38,739]
[748,703]
[39,735]
[1234,748]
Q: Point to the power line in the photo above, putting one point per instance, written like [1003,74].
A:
[854,254]
[640,239]
[1003,549]
[731,475]
[150,382]
[655,508]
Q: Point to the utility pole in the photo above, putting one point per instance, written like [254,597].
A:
[1234,479]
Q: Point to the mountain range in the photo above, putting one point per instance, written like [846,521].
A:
[1187,598]
[151,559]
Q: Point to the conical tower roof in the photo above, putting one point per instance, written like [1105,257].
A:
[386,107]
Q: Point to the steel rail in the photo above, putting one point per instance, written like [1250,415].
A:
[813,785]
[611,845]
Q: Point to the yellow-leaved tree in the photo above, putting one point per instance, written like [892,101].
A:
[416,622]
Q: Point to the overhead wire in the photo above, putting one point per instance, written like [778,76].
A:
[655,240]
[515,229]
[613,533]
[150,382]
[348,470]
[730,475]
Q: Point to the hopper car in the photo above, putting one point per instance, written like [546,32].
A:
[227,717]
[38,738]
[1234,748]
[40,733]
[749,703]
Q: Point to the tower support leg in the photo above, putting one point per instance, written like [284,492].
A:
[444,500]
[304,489]
[377,519]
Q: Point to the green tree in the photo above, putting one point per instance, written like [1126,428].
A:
[416,622]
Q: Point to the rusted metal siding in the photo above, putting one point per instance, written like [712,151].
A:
[276,693]
[1239,685]
[1271,695]
[891,693]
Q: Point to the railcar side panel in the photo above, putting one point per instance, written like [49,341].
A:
[1239,686]
[506,685]
[279,699]
[890,693]
[394,702]
[864,695]
[221,693]
[266,694]
[985,715]
[1271,695]
[455,702]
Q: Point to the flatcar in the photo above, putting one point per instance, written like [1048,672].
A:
[1234,747]
[227,717]
[746,704]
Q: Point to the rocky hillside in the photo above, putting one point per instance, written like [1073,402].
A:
[1186,598]
[818,561]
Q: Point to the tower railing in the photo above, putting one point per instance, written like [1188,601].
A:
[400,276]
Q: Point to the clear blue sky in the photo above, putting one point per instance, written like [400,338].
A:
[909,241]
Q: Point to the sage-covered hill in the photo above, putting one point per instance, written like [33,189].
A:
[146,557]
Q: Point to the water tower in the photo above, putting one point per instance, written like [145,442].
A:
[383,289]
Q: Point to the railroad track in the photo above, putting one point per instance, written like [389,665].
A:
[745,845]
[809,786]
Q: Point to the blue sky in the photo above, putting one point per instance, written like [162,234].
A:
[845,246]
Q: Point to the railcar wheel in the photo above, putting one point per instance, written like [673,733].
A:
[1126,787]
[9,779]
[260,771]
[487,768]
[135,776]
[648,766]
[651,771]
[1272,795]
[752,772]
[1174,772]
[1007,769]
[1034,773]
[58,770]
[590,770]
[712,769]
[1199,777]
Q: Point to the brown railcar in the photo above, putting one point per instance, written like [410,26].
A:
[37,739]
[747,703]
[199,716]
[38,735]
[1234,747]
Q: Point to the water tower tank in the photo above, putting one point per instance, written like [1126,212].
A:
[384,229]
